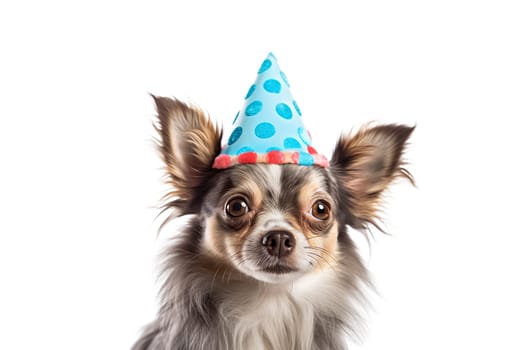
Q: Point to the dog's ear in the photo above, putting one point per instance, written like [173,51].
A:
[364,164]
[188,142]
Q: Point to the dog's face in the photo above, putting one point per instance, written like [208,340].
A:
[272,222]
[275,223]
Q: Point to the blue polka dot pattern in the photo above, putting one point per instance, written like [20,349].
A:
[250,92]
[296,106]
[236,117]
[303,134]
[291,143]
[237,132]
[264,130]
[272,86]
[244,150]
[253,108]
[305,159]
[284,78]
[265,66]
[284,111]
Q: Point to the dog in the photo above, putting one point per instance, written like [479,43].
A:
[266,261]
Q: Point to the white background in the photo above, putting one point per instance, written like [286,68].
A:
[80,177]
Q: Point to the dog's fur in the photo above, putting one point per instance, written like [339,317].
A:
[222,288]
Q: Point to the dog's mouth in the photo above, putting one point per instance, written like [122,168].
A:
[278,269]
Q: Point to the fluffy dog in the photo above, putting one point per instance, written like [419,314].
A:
[266,261]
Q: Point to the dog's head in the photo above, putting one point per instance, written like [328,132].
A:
[275,223]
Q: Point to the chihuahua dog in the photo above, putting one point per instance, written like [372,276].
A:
[266,260]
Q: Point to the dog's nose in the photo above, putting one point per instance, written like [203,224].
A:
[278,243]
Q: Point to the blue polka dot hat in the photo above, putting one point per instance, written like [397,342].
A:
[269,128]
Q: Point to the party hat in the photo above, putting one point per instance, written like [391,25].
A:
[269,128]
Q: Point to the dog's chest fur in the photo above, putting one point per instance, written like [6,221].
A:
[283,317]
[271,322]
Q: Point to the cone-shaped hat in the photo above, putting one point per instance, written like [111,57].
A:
[269,128]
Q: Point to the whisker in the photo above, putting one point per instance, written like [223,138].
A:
[320,256]
[223,274]
[325,251]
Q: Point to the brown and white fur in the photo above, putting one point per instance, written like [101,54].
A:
[266,261]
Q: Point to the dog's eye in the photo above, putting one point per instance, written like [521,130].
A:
[237,207]
[320,210]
